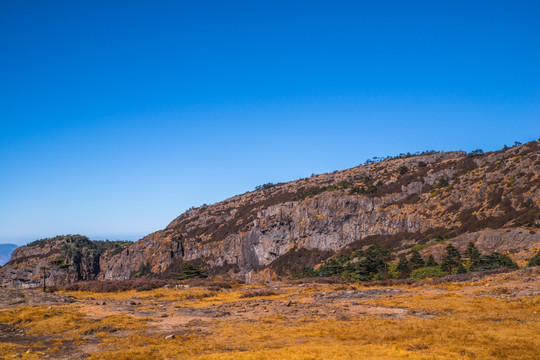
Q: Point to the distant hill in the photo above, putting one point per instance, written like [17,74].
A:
[5,252]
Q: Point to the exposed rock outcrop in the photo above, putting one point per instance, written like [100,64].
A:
[442,194]
[491,199]
[63,260]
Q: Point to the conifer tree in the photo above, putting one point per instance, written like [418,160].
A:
[451,260]
[416,261]
[461,269]
[473,256]
[403,267]
[431,261]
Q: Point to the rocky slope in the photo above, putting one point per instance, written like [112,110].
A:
[397,203]
[64,259]
[492,199]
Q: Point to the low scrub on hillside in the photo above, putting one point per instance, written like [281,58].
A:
[375,264]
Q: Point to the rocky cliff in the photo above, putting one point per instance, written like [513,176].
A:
[396,203]
[63,260]
[490,198]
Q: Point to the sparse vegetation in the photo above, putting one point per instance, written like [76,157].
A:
[441,183]
[187,271]
[265,186]
[403,170]
[377,159]
[144,270]
[373,264]
[477,152]
[326,320]
[535,260]
[428,272]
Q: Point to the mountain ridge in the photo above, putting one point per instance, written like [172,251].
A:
[398,203]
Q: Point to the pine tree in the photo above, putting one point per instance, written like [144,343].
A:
[416,261]
[473,256]
[403,267]
[431,261]
[451,260]
[461,269]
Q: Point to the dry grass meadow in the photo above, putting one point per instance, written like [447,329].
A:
[495,317]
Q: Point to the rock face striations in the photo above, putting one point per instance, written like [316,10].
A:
[492,199]
[63,260]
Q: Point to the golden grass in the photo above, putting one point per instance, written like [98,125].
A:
[367,338]
[463,327]
[447,321]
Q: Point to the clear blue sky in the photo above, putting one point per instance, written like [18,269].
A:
[116,116]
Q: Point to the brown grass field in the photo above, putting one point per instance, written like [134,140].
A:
[495,317]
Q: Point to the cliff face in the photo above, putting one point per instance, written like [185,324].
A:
[491,199]
[396,203]
[65,259]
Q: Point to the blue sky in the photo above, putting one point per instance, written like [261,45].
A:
[116,116]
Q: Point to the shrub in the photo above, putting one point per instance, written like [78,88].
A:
[511,180]
[57,262]
[144,270]
[476,152]
[330,268]
[403,170]
[265,186]
[392,271]
[306,272]
[496,260]
[431,261]
[535,260]
[422,164]
[188,271]
[441,183]
[427,272]
[370,189]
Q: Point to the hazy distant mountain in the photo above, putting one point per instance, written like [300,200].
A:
[5,252]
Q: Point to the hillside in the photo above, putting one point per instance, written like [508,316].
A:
[65,258]
[492,200]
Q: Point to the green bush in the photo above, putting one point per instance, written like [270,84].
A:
[392,270]
[441,183]
[403,170]
[535,260]
[188,271]
[265,186]
[427,272]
